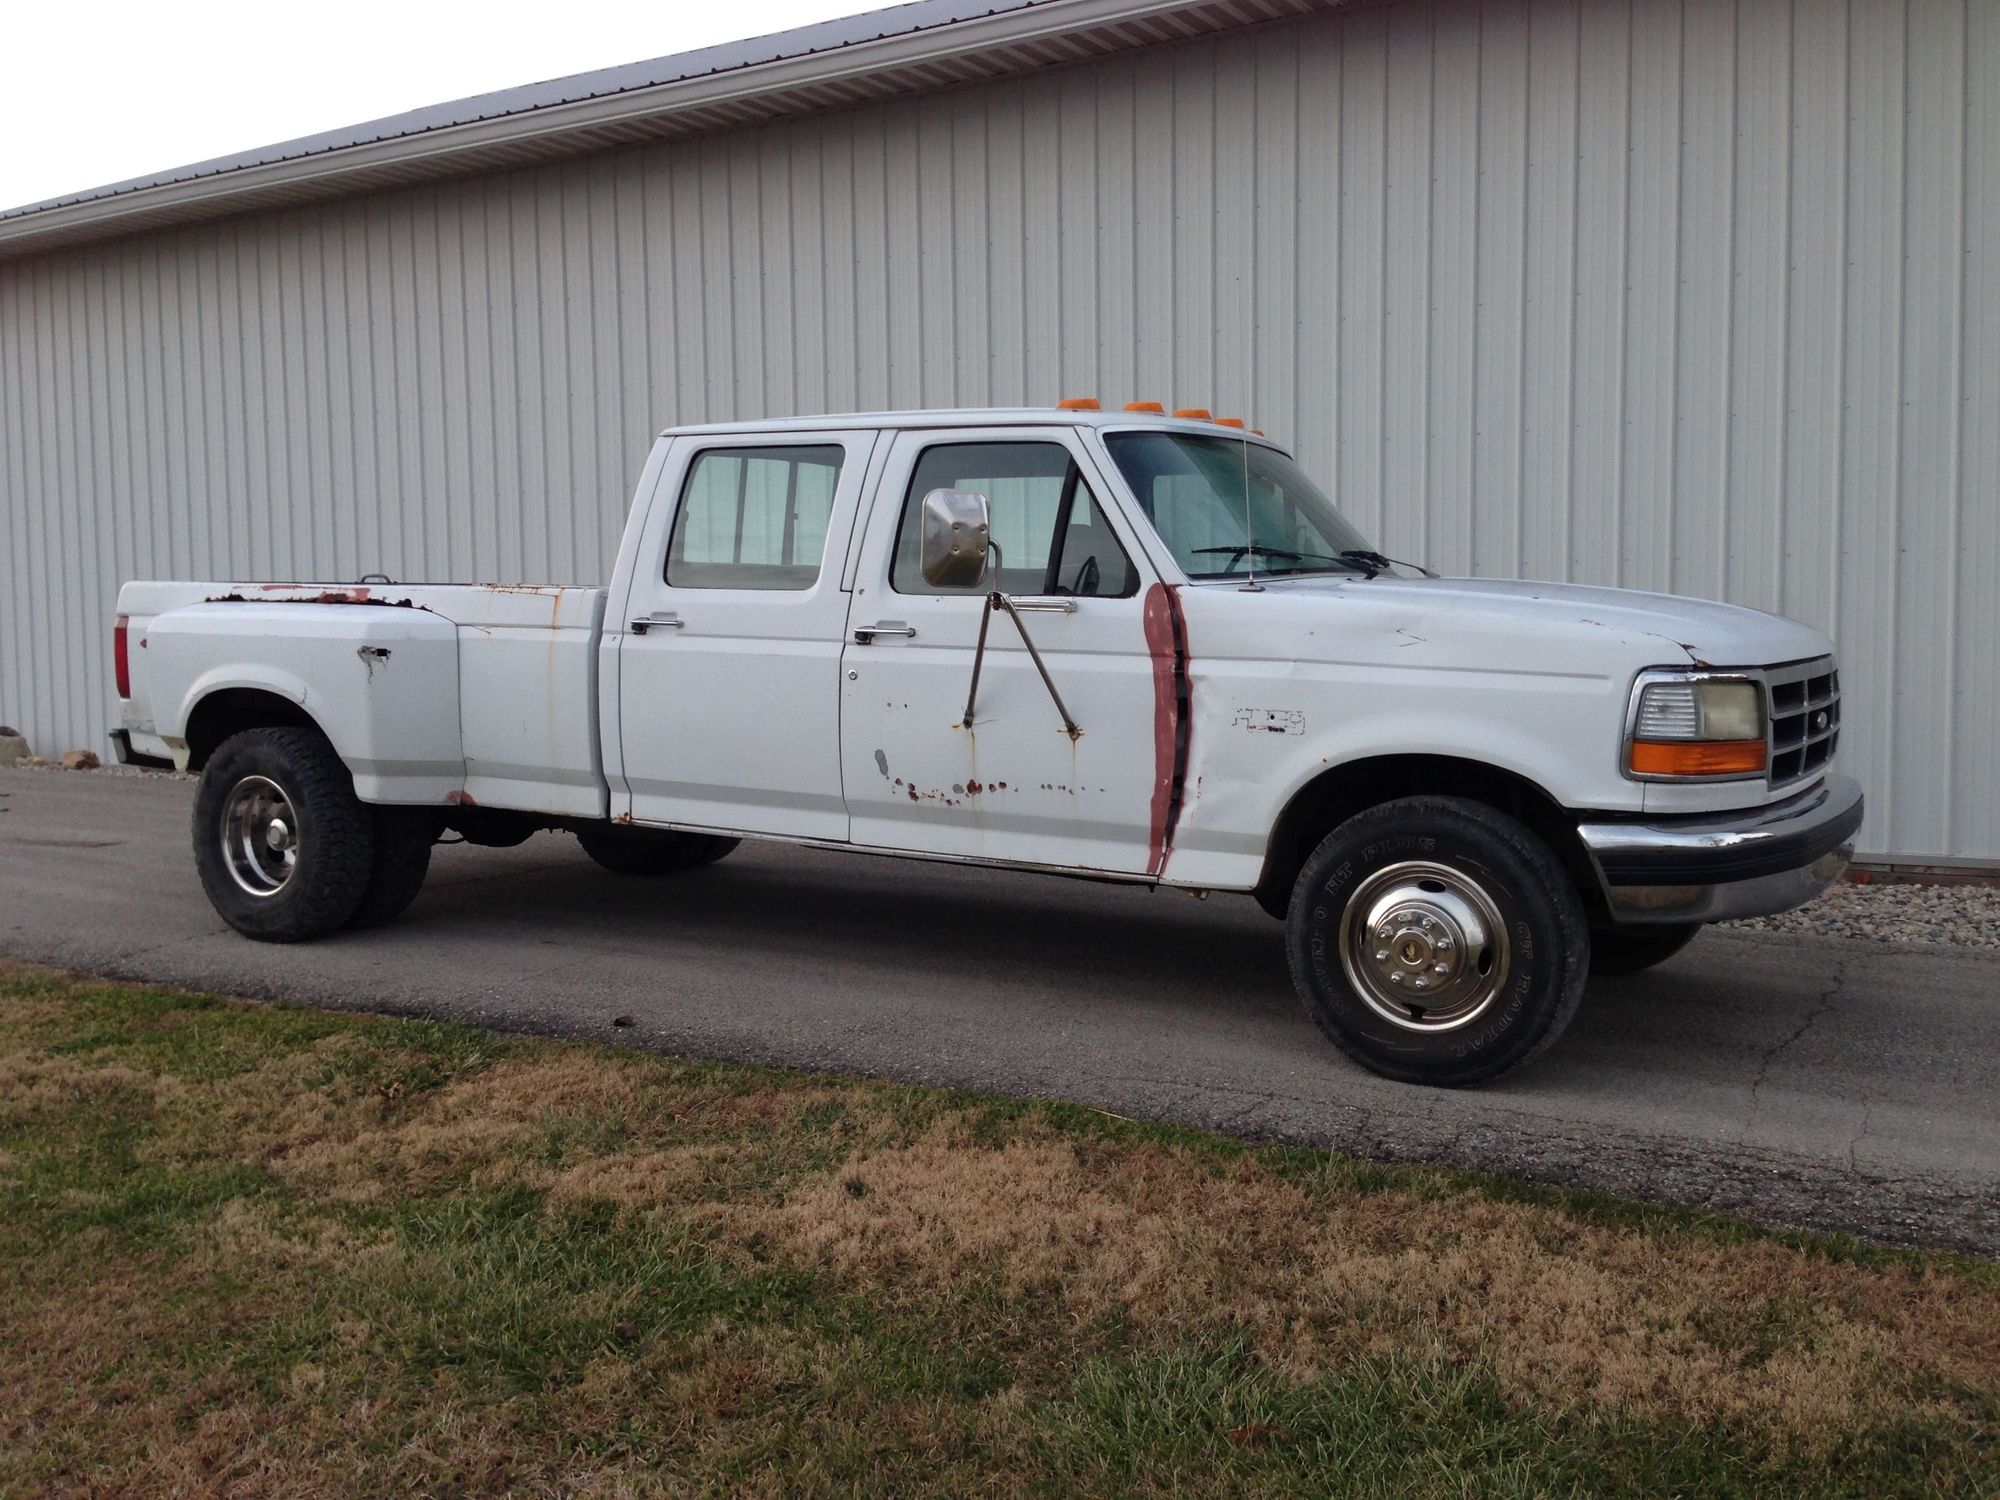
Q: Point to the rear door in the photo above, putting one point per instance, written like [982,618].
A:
[1013,785]
[729,669]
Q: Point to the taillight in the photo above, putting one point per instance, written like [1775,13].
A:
[121,658]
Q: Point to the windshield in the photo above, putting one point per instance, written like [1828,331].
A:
[1227,507]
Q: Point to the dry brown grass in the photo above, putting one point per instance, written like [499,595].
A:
[1570,1315]
[329,1326]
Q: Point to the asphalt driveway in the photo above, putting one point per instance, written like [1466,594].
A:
[1811,1081]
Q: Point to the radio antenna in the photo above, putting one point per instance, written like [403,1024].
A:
[1250,584]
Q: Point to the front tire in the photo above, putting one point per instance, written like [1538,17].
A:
[1627,950]
[1437,940]
[283,846]
[651,851]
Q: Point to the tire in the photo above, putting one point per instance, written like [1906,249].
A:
[403,840]
[1627,950]
[652,851]
[284,848]
[1482,922]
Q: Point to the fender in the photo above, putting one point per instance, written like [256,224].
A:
[372,680]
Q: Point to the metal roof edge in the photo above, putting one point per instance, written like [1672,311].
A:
[205,188]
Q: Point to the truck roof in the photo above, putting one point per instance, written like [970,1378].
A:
[973,416]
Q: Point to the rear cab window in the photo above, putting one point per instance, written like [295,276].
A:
[754,518]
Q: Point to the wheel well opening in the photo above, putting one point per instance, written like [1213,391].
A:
[1336,795]
[233,710]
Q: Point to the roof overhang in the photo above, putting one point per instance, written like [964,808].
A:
[909,49]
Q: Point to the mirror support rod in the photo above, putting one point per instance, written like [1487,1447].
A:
[978,660]
[1001,601]
[997,601]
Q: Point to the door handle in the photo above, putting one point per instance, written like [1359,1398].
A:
[661,617]
[1045,604]
[864,635]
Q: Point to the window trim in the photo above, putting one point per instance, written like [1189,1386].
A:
[747,451]
[1073,475]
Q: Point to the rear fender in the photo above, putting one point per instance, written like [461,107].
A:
[381,683]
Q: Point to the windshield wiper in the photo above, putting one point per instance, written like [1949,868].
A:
[1345,559]
[1375,562]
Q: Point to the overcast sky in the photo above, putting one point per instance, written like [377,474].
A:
[95,91]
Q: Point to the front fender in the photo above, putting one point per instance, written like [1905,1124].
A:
[1257,744]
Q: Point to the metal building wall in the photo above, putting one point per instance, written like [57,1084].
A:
[1700,296]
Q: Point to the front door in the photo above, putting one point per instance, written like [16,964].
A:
[1012,785]
[729,671]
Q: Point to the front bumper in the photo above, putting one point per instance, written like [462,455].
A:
[1708,868]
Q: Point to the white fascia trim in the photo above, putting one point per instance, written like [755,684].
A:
[1010,28]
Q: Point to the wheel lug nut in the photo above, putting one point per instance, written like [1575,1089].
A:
[1384,933]
[1381,955]
[1397,977]
[1423,983]
[1444,945]
[1440,968]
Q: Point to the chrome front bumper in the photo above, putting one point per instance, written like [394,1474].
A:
[1706,868]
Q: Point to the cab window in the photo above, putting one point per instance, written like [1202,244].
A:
[1051,532]
[753,518]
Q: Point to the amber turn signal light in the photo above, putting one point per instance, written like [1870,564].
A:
[1078,403]
[1697,757]
[1151,406]
[1199,413]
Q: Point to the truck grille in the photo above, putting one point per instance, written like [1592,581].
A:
[1805,719]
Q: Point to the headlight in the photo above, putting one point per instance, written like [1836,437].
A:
[1698,727]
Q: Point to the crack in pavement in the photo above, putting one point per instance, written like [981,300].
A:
[1854,1145]
[1821,1007]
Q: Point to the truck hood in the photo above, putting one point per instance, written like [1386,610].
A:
[1665,629]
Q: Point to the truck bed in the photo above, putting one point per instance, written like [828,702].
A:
[466,693]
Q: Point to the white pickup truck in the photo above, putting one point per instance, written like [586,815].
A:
[1117,645]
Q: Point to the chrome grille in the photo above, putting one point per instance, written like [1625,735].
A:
[1805,719]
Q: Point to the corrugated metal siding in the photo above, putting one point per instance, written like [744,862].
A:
[1696,296]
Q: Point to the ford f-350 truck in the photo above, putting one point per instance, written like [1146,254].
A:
[1117,645]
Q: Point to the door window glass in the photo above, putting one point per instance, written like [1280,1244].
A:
[753,518]
[1051,532]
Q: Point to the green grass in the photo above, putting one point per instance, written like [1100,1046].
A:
[271,1250]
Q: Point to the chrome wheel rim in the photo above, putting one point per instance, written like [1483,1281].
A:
[1424,946]
[260,836]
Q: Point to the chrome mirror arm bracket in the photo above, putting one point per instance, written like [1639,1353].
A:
[996,602]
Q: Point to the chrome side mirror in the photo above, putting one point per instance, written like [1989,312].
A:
[956,536]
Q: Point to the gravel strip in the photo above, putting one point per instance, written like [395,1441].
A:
[1950,916]
[108,769]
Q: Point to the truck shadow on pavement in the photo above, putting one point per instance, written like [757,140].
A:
[800,917]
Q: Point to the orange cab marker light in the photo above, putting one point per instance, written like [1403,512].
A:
[1228,421]
[1258,430]
[1078,403]
[1151,406]
[1697,758]
[1198,413]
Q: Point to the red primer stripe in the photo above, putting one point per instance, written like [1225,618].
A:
[1166,644]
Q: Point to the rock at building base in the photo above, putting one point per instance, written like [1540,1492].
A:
[12,746]
[80,760]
